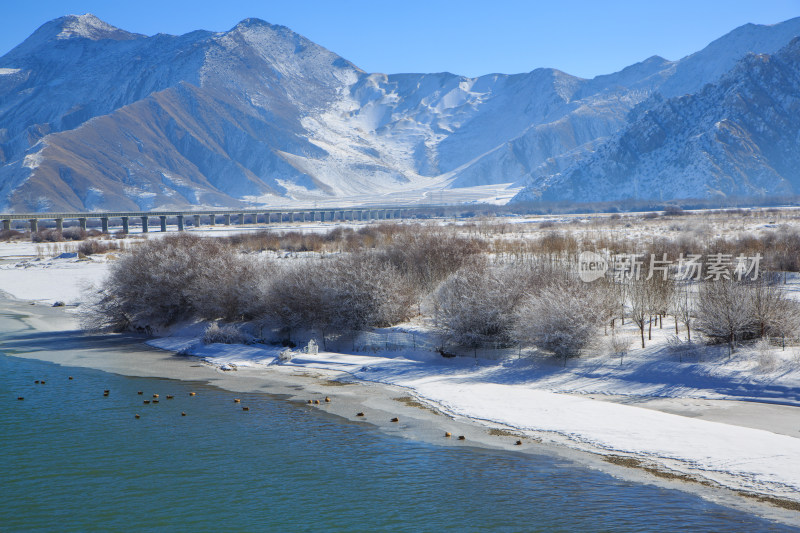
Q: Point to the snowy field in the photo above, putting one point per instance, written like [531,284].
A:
[595,403]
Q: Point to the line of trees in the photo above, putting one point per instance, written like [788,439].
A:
[474,297]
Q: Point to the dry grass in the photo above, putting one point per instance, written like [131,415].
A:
[632,462]
[495,432]
[413,402]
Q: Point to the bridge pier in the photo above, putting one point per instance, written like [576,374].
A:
[6,224]
[212,219]
[125,226]
[266,217]
[180,222]
[82,222]
[241,219]
[34,225]
[227,220]
[104,224]
[163,222]
[59,225]
[145,227]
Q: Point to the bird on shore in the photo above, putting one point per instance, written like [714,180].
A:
[359,414]
[327,400]
[518,443]
[462,437]
[448,434]
[395,419]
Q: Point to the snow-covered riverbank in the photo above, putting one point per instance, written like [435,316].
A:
[594,404]
[520,394]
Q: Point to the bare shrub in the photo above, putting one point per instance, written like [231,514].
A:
[427,257]
[673,211]
[152,285]
[775,315]
[725,312]
[475,305]
[47,235]
[90,247]
[561,318]
[731,311]
[681,348]
[348,292]
[231,286]
[618,345]
[767,358]
[74,233]
[10,235]
[227,334]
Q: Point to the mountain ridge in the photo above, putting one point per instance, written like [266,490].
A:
[94,117]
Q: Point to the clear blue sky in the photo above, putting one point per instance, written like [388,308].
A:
[469,37]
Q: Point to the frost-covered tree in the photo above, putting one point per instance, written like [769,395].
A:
[683,304]
[348,292]
[475,305]
[151,285]
[725,311]
[639,298]
[232,286]
[427,256]
[561,318]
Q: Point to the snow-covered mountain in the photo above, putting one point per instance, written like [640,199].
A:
[93,117]
[736,137]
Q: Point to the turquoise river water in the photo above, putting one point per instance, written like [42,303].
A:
[72,459]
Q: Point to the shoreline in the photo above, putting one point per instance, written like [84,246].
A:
[419,418]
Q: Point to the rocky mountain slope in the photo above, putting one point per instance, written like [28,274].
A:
[736,137]
[93,117]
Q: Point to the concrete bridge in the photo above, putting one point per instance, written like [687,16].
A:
[212,218]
